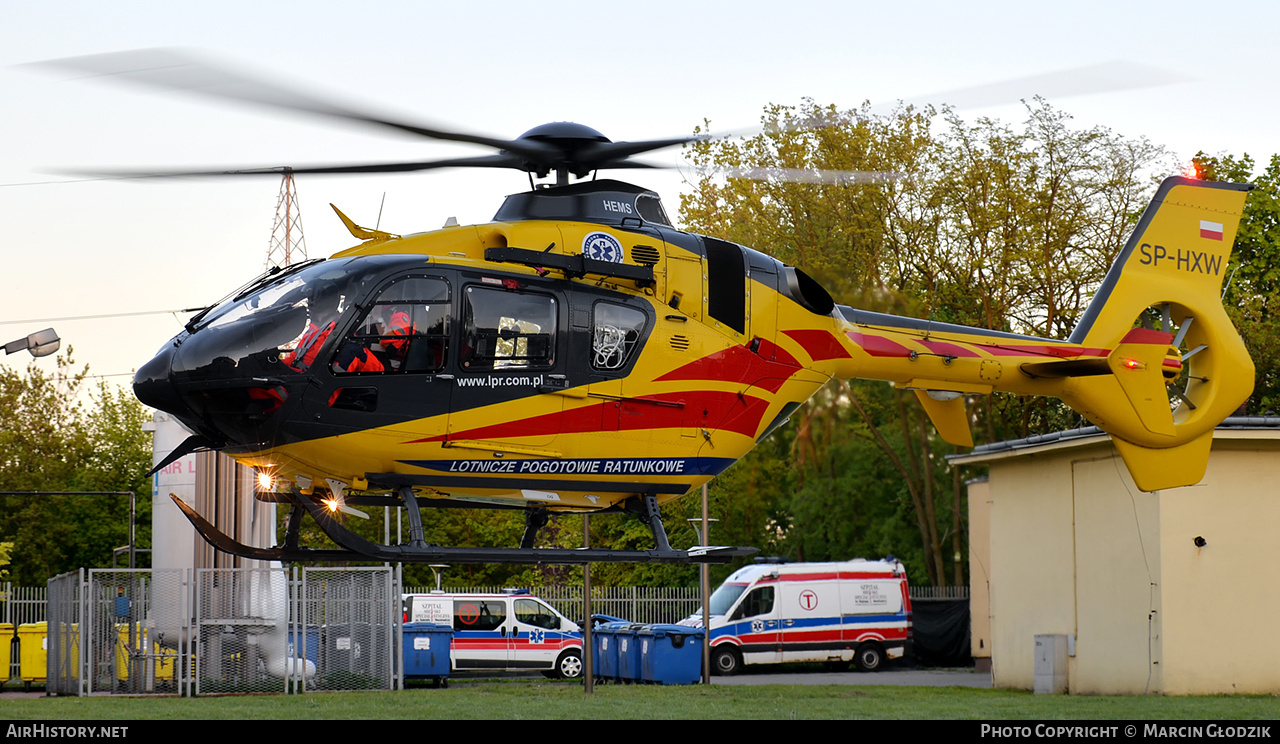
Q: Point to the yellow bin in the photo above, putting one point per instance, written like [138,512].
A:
[6,654]
[162,659]
[33,652]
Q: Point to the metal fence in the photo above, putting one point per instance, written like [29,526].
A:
[22,604]
[939,592]
[648,604]
[143,631]
[639,604]
[211,631]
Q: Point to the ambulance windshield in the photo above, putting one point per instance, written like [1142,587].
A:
[725,596]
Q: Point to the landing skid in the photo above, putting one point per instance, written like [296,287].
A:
[356,548]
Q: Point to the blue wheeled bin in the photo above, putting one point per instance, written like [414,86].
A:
[604,642]
[426,652]
[628,652]
[670,654]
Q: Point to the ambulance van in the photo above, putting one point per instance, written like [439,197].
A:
[511,631]
[770,613]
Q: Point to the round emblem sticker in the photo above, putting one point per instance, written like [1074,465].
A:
[602,247]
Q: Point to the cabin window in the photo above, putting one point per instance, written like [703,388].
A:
[504,329]
[479,614]
[405,330]
[615,334]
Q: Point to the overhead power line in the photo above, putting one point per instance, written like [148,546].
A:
[102,315]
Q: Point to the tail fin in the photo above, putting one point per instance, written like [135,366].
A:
[1172,268]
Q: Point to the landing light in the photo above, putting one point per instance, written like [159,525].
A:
[332,503]
[266,481]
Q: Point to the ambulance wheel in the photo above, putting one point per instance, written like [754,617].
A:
[569,665]
[726,661]
[870,657]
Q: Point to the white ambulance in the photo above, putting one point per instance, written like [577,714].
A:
[770,613]
[511,631]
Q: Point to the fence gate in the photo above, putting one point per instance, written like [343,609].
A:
[349,618]
[136,631]
[242,631]
[64,643]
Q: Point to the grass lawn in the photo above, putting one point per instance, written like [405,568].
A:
[530,700]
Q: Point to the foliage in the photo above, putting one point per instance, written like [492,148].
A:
[54,441]
[1253,295]
[979,224]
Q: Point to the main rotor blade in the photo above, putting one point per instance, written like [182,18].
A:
[800,175]
[1077,81]
[604,152]
[483,161]
[174,70]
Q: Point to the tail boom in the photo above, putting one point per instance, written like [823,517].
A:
[1115,374]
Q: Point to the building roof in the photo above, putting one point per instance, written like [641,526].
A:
[1233,425]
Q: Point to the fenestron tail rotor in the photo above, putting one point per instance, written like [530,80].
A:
[1191,351]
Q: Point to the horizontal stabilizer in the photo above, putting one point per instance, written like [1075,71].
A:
[1068,368]
[1170,467]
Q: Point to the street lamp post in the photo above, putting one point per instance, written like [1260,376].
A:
[40,343]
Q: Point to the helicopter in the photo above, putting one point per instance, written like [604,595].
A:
[580,354]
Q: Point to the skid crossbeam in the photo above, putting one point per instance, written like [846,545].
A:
[356,548]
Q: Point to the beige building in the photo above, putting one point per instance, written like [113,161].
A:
[1174,592]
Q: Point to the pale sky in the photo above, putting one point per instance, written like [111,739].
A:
[633,71]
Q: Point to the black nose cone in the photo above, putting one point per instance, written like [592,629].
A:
[153,385]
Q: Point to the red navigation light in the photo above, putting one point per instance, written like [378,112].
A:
[1133,364]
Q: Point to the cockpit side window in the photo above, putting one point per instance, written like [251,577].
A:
[505,329]
[758,602]
[406,330]
[532,612]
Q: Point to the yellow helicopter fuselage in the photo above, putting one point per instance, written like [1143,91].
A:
[580,351]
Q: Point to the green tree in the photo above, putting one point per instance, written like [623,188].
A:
[992,226]
[1252,296]
[52,441]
